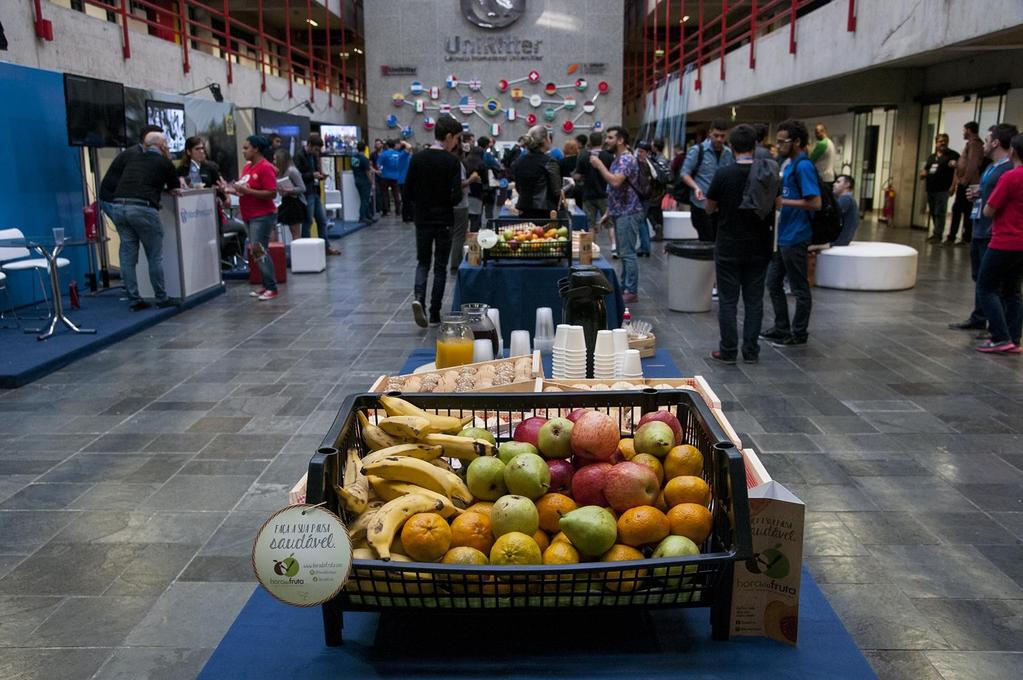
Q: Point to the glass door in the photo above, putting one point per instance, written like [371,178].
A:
[930,126]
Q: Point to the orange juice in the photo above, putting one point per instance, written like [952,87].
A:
[454,352]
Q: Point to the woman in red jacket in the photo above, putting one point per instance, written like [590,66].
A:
[256,189]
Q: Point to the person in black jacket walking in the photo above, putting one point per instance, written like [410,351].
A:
[308,163]
[537,177]
[434,185]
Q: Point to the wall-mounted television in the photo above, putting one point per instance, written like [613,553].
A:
[170,117]
[95,112]
[339,140]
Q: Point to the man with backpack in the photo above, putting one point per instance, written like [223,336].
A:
[702,161]
[742,197]
[800,197]
[624,205]
[660,180]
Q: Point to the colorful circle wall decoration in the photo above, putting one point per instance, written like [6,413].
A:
[549,113]
[550,89]
[491,107]
[535,100]
[534,76]
[416,87]
[603,87]
[397,99]
[392,121]
[429,123]
[568,126]
[531,120]
[581,84]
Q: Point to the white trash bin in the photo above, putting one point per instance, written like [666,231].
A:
[690,275]
[678,225]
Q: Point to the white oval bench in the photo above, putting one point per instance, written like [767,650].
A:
[867,265]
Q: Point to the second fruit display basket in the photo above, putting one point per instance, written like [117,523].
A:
[703,580]
[536,239]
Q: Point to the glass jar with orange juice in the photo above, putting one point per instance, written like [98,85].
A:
[454,341]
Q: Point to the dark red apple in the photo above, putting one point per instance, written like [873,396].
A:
[665,417]
[577,414]
[629,485]
[529,431]
[588,484]
[561,475]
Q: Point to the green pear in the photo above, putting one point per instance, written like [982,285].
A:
[509,450]
[478,433]
[527,475]
[592,529]
[514,513]
[674,546]
[485,478]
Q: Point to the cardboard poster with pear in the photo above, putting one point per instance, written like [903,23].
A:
[765,598]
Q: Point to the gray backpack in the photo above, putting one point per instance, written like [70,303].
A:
[761,187]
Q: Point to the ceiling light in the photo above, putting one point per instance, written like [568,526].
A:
[685,18]
[311,22]
[658,53]
[358,50]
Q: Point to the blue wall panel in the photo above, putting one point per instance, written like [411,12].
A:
[40,175]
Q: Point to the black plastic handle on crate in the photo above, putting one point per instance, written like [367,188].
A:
[319,486]
[742,538]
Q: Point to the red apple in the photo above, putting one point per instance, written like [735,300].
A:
[588,484]
[595,435]
[529,431]
[629,485]
[577,414]
[561,475]
[664,417]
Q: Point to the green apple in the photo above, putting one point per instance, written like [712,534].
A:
[478,433]
[485,478]
[562,231]
[509,450]
[514,513]
[527,475]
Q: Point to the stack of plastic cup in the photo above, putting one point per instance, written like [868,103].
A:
[482,350]
[543,339]
[621,343]
[519,344]
[632,369]
[604,356]
[558,351]
[572,357]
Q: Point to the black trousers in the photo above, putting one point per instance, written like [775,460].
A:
[790,262]
[743,277]
[961,209]
[433,246]
[706,225]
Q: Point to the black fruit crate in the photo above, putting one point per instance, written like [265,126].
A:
[529,250]
[698,581]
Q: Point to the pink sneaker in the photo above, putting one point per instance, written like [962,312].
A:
[257,293]
[990,347]
[268,295]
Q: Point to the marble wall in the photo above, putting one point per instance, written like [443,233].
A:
[550,37]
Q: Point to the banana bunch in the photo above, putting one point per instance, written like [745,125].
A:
[392,515]
[421,473]
[444,424]
[389,490]
[354,492]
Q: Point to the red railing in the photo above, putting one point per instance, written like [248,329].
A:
[740,24]
[198,26]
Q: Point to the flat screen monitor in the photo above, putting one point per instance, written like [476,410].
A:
[95,112]
[170,117]
[339,140]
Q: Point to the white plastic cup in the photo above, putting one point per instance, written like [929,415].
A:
[544,323]
[561,337]
[543,345]
[495,318]
[58,235]
[482,350]
[576,340]
[519,344]
[621,339]
[605,344]
[632,367]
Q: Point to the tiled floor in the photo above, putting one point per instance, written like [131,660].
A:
[132,482]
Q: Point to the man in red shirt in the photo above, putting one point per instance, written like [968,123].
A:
[1001,273]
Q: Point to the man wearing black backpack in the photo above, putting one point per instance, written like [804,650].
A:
[800,197]
[702,161]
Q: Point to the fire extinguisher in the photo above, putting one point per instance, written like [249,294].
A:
[888,213]
[90,213]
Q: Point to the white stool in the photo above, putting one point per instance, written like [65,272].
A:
[867,265]
[678,225]
[308,255]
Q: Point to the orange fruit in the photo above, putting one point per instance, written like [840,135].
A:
[561,552]
[651,462]
[482,507]
[551,508]
[692,520]
[627,447]
[686,489]
[514,548]
[541,539]
[630,579]
[472,530]
[683,460]
[464,555]
[660,503]
[560,536]
[426,537]
[641,525]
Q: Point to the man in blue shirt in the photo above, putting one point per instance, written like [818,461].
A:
[801,195]
[702,161]
[390,172]
[847,206]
